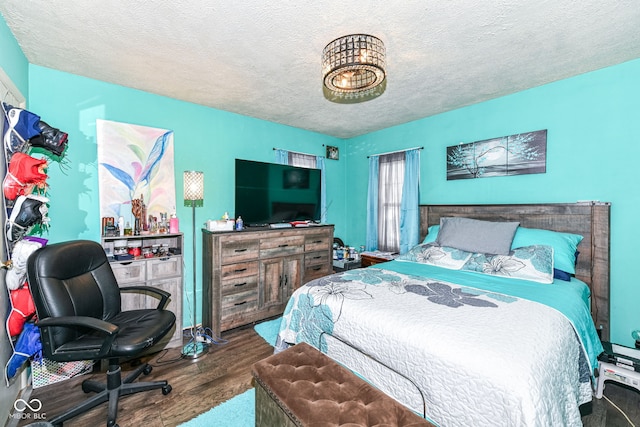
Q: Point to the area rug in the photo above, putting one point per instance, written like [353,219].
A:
[239,411]
[269,330]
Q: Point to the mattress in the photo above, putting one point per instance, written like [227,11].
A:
[458,347]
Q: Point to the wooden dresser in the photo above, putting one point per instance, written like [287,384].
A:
[249,275]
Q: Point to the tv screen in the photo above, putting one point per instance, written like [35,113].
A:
[269,193]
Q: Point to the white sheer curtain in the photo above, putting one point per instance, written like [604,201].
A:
[390,183]
[302,160]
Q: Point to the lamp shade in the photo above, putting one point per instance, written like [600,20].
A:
[193,188]
[353,69]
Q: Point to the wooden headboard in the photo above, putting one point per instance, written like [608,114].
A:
[589,219]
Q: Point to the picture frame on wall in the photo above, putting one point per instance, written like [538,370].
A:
[332,152]
[519,154]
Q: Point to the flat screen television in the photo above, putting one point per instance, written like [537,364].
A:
[269,193]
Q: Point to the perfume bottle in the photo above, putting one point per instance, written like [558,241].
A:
[174,227]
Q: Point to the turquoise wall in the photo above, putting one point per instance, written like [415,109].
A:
[592,122]
[593,147]
[12,59]
[204,139]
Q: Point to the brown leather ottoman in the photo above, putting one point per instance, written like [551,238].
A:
[303,387]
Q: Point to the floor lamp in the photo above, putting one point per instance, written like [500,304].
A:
[194,196]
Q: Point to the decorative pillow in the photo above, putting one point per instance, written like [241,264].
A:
[432,234]
[561,275]
[533,263]
[431,253]
[473,235]
[564,245]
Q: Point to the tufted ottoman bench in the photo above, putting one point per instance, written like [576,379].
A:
[303,387]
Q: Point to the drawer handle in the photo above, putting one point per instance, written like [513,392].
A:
[241,250]
[317,241]
[317,268]
[240,284]
[317,257]
[240,303]
[283,246]
[240,270]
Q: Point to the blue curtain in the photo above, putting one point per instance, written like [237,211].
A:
[409,211]
[372,204]
[323,189]
[282,156]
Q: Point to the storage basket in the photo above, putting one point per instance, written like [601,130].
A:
[45,371]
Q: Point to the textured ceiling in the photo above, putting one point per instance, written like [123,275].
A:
[262,58]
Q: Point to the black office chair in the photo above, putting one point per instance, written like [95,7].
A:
[77,300]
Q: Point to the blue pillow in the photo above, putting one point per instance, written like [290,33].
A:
[432,234]
[561,275]
[564,245]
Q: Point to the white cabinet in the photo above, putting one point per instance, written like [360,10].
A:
[163,271]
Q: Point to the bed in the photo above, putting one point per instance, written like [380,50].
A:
[466,344]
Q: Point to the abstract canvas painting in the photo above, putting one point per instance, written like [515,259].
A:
[134,162]
[519,154]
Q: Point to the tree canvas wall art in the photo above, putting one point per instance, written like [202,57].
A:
[520,154]
[134,162]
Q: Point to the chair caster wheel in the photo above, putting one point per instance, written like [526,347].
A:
[166,389]
[147,370]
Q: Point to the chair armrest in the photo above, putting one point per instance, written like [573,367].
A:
[84,321]
[109,329]
[162,294]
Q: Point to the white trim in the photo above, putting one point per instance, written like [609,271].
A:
[7,87]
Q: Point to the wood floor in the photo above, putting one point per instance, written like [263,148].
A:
[215,377]
[225,372]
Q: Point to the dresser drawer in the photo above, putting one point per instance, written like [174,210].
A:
[281,246]
[239,284]
[239,303]
[315,271]
[317,242]
[316,258]
[237,251]
[242,269]
[131,272]
[160,268]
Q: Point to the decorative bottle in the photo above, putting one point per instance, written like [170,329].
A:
[239,223]
[173,224]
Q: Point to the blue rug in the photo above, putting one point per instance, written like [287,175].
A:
[239,411]
[269,330]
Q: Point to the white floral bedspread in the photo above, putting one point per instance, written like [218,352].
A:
[470,357]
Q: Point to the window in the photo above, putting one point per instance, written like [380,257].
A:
[393,216]
[302,160]
[308,161]
[390,182]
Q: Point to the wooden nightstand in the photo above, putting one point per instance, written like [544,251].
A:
[371,258]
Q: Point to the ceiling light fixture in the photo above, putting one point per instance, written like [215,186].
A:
[353,69]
